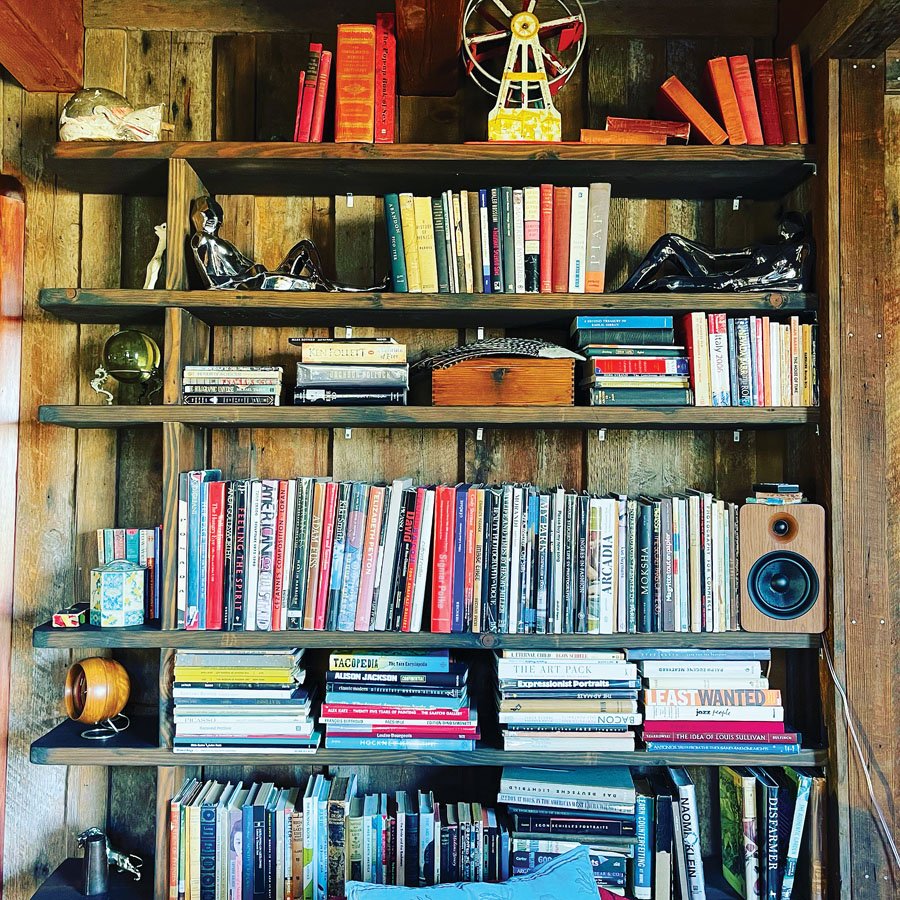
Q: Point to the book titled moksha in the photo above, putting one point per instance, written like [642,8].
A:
[311,553]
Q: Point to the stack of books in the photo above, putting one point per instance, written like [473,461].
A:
[632,360]
[567,700]
[553,810]
[541,239]
[351,372]
[242,702]
[141,546]
[231,385]
[434,713]
[751,360]
[711,701]
[777,493]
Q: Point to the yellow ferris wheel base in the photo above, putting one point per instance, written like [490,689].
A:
[524,124]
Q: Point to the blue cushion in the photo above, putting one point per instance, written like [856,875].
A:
[569,875]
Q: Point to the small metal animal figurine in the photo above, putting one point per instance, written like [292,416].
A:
[124,862]
[676,263]
[155,264]
[223,267]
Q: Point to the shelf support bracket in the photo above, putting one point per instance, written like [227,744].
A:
[737,436]
[601,435]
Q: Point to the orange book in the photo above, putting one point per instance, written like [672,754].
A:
[677,102]
[722,90]
[562,214]
[787,109]
[596,136]
[746,98]
[354,109]
[679,131]
[799,94]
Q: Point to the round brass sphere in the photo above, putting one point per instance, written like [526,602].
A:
[97,689]
[131,357]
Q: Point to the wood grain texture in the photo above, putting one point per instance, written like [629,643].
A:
[429,37]
[850,28]
[42,45]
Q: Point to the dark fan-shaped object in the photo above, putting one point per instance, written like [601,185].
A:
[528,347]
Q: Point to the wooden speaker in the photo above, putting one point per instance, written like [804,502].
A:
[783,568]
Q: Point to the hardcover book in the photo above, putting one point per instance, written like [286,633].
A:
[354,114]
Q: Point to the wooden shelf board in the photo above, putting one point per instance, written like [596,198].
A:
[65,882]
[137,747]
[278,308]
[90,636]
[686,172]
[579,417]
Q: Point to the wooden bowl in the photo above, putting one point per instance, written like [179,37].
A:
[96,690]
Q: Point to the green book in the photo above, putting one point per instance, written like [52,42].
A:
[732,831]
[440,244]
[507,240]
[395,243]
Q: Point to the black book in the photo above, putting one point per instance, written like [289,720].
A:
[403,556]
[456,676]
[630,336]
[440,244]
[570,557]
[663,835]
[297,596]
[508,240]
[496,247]
[645,565]
[394,690]
[560,824]
[581,624]
[492,610]
[239,576]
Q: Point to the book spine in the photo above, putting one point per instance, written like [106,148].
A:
[746,98]
[410,245]
[799,94]
[578,240]
[395,243]
[484,220]
[598,230]
[642,868]
[309,93]
[496,242]
[532,239]
[562,215]
[443,560]
[719,78]
[787,109]
[690,839]
[464,215]
[318,120]
[458,244]
[385,78]
[518,198]
[354,113]
[425,245]
[337,828]
[298,115]
[508,239]
[546,238]
[475,241]
[768,102]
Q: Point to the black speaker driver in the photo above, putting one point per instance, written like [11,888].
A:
[783,585]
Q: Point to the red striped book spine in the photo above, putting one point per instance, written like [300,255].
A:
[546,282]
[746,98]
[216,559]
[385,78]
[309,92]
[768,102]
[318,119]
[639,365]
[442,561]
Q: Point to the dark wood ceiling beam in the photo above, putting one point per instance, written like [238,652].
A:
[42,43]
[858,29]
[429,36]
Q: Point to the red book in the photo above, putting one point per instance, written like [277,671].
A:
[309,93]
[385,78]
[413,535]
[760,364]
[738,737]
[768,102]
[677,102]
[469,580]
[787,110]
[746,98]
[722,90]
[299,105]
[367,711]
[325,554]
[450,731]
[638,365]
[354,95]
[318,119]
[679,131]
[374,517]
[278,571]
[215,556]
[562,215]
[442,560]
[799,94]
[546,283]
[690,726]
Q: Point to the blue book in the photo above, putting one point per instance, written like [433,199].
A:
[458,611]
[322,841]
[356,526]
[484,221]
[396,250]
[642,870]
[802,780]
[426,838]
[691,653]
[645,567]
[611,783]
[133,545]
[398,700]
[720,747]
[340,742]
[387,661]
[583,322]
[195,574]
[341,520]
[530,598]
[208,849]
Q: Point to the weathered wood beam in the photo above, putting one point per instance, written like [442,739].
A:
[429,36]
[42,44]
[849,28]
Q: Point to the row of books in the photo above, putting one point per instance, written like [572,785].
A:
[643,832]
[772,111]
[231,385]
[233,701]
[368,706]
[315,554]
[541,239]
[567,701]
[365,85]
[141,546]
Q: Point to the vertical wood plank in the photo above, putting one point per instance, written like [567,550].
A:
[190,85]
[234,58]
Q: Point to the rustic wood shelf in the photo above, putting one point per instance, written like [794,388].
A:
[276,308]
[66,880]
[583,417]
[90,636]
[273,168]
[138,746]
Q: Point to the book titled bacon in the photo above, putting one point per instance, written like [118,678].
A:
[675,101]
[675,131]
[768,102]
[354,111]
[746,98]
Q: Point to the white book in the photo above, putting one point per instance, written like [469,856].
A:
[590,669]
[676,563]
[268,516]
[685,570]
[654,712]
[686,683]
[467,241]
[578,240]
[518,199]
[181,574]
[563,655]
[309,833]
[252,545]
[775,362]
[718,607]
[542,718]
[557,520]
[518,498]
[423,554]
[449,220]
[609,554]
[695,562]
[687,833]
[566,802]
[597,234]
[252,728]
[287,570]
[390,551]
[701,668]
[575,744]
[459,214]
[622,545]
